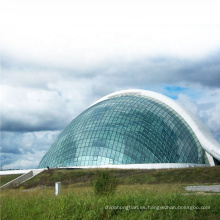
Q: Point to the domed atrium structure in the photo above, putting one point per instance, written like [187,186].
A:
[134,129]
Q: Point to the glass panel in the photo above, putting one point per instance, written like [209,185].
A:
[125,129]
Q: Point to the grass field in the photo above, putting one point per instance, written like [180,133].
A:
[7,178]
[84,177]
[141,194]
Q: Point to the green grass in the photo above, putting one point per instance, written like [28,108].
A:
[127,203]
[140,195]
[104,183]
[7,178]
[84,177]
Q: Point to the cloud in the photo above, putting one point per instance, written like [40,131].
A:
[29,106]
[21,150]
[25,109]
[214,119]
[151,69]
[27,161]
[76,35]
[41,111]
[57,59]
[206,109]
[188,102]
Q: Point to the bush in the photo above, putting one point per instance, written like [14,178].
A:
[104,183]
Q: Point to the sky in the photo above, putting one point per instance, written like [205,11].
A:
[58,57]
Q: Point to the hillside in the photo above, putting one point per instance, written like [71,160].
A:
[84,177]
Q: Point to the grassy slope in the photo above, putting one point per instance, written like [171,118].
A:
[7,178]
[152,189]
[84,177]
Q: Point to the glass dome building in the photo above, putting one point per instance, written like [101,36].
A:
[134,129]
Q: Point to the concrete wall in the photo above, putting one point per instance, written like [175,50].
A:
[18,180]
[9,172]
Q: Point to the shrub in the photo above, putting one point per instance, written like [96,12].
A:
[104,183]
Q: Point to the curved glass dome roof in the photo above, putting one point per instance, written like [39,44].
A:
[126,128]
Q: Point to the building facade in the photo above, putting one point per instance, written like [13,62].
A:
[137,129]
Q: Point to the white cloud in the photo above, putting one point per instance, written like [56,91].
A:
[35,100]
[89,33]
[27,161]
[32,109]
[206,107]
[29,146]
[25,150]
[214,119]
[58,57]
[188,103]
